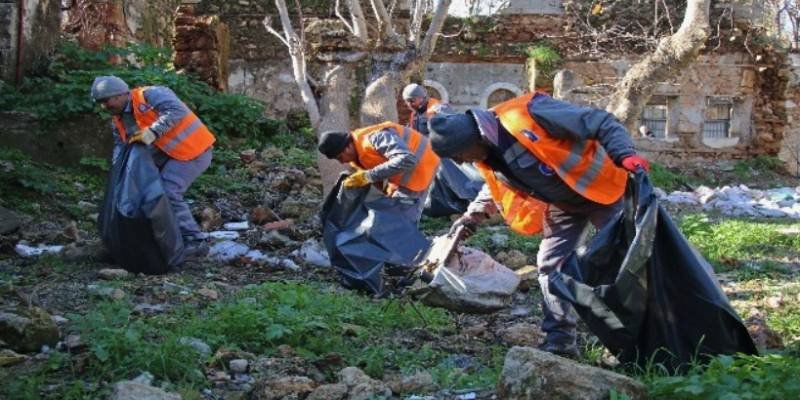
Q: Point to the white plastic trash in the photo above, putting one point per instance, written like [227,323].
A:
[227,251]
[236,226]
[29,251]
[224,235]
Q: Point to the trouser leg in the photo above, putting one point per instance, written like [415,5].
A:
[562,232]
[177,176]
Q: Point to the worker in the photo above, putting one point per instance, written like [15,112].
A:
[422,107]
[180,143]
[549,167]
[395,158]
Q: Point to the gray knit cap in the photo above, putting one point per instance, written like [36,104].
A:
[107,86]
[413,90]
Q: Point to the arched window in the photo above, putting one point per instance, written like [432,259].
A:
[437,90]
[499,92]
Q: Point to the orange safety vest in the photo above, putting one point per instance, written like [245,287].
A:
[584,166]
[185,141]
[416,179]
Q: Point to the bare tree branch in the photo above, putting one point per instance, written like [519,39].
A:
[385,25]
[672,54]
[359,21]
[417,14]
[297,54]
[432,35]
[343,19]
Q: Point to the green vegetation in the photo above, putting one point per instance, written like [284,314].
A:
[315,321]
[547,61]
[667,180]
[63,92]
[772,376]
[762,167]
[745,246]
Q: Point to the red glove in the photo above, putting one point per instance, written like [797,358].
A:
[634,161]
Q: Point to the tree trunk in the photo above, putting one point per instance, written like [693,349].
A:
[335,115]
[380,100]
[672,55]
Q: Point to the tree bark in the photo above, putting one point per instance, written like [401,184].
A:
[335,117]
[380,100]
[673,54]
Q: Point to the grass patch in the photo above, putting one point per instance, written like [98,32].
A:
[773,376]
[500,238]
[731,244]
[314,320]
[668,180]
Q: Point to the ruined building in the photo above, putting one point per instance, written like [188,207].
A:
[737,100]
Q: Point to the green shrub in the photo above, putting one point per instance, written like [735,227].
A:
[64,91]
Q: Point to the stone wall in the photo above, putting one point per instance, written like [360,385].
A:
[65,143]
[201,46]
[40,32]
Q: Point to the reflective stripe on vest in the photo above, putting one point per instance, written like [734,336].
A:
[185,141]
[584,166]
[415,179]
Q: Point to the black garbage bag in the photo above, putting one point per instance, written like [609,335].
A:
[136,222]
[454,187]
[646,293]
[364,230]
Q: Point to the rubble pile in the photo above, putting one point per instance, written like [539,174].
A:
[740,201]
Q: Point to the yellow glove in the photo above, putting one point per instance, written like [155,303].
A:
[356,179]
[145,136]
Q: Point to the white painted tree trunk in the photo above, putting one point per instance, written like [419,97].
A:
[672,55]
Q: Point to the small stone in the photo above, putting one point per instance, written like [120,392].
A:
[522,334]
[261,215]
[336,391]
[73,342]
[238,366]
[9,221]
[513,259]
[59,320]
[112,273]
[198,345]
[208,293]
[247,156]
[210,219]
[277,225]
[8,357]
[71,231]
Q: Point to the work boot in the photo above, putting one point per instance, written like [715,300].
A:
[566,350]
[195,249]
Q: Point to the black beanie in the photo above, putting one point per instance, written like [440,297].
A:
[333,143]
[451,134]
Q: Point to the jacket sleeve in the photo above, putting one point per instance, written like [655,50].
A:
[483,206]
[399,158]
[567,121]
[169,107]
[119,145]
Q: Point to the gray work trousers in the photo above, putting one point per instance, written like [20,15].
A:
[565,228]
[177,176]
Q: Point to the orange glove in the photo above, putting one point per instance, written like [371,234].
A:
[632,162]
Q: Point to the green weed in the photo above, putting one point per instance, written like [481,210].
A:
[667,180]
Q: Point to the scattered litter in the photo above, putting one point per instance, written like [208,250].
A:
[24,250]
[236,226]
[227,251]
[313,253]
[224,235]
[257,257]
[741,201]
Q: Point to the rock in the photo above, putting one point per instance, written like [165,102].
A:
[522,334]
[140,389]
[9,221]
[419,382]
[210,219]
[9,357]
[532,374]
[513,259]
[147,308]
[92,250]
[247,156]
[261,215]
[283,387]
[110,292]
[336,391]
[528,277]
[276,240]
[208,293]
[361,386]
[198,345]
[238,365]
[112,273]
[73,343]
[71,231]
[28,331]
[299,209]
[763,336]
[277,225]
